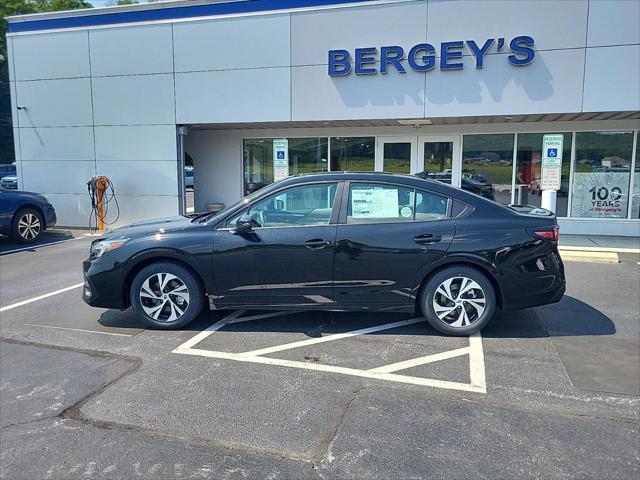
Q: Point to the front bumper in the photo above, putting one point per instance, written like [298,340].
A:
[104,283]
[50,217]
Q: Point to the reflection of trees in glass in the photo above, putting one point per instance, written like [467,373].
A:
[397,157]
[353,154]
[488,160]
[603,151]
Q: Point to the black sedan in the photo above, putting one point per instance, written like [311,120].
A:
[335,241]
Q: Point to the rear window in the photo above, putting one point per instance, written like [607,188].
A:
[381,203]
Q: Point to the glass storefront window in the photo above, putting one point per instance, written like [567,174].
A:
[397,157]
[487,165]
[355,154]
[306,155]
[438,160]
[635,195]
[528,167]
[602,172]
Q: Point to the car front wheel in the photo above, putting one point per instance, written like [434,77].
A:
[458,300]
[27,225]
[166,295]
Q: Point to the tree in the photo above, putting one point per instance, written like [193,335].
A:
[19,7]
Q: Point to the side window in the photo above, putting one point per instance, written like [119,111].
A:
[430,206]
[303,205]
[377,203]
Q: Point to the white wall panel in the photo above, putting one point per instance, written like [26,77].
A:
[253,95]
[141,177]
[10,58]
[136,142]
[316,96]
[131,100]
[614,22]
[14,99]
[135,208]
[57,143]
[57,177]
[251,42]
[612,79]
[131,50]
[51,55]
[552,24]
[552,83]
[54,103]
[313,34]
[72,209]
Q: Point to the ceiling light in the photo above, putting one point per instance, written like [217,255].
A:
[416,122]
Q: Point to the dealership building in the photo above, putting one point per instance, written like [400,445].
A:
[463,90]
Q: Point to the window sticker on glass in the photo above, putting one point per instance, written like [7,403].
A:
[374,203]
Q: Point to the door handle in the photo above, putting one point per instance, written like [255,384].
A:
[317,243]
[427,238]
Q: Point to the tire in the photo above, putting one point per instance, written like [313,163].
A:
[449,317]
[27,226]
[158,307]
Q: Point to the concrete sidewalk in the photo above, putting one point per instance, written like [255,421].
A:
[600,243]
[596,248]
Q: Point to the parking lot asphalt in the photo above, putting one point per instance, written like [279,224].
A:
[551,392]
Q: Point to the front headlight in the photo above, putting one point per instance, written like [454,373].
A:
[101,247]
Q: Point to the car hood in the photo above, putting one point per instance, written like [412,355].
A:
[159,225]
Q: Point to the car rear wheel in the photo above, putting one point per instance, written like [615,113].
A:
[458,300]
[27,225]
[166,295]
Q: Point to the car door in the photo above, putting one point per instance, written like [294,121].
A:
[387,237]
[287,257]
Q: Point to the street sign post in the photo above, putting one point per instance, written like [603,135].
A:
[551,169]
[280,159]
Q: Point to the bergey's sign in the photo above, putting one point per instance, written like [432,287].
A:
[424,56]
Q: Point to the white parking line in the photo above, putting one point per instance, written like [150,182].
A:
[35,247]
[474,351]
[39,297]
[78,330]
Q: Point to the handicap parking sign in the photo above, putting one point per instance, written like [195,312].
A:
[280,155]
[552,152]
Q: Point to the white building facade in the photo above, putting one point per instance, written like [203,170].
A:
[461,89]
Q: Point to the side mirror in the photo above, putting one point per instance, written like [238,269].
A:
[243,224]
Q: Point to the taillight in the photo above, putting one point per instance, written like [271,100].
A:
[553,235]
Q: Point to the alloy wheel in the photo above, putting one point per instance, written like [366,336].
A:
[459,301]
[164,297]
[29,226]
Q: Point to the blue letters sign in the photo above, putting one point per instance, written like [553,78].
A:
[422,57]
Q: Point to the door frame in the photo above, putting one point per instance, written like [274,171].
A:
[382,140]
[456,161]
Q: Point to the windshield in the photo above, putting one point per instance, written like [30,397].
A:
[203,217]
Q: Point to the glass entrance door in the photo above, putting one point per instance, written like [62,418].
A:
[396,154]
[439,157]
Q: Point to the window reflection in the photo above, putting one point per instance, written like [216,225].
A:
[602,174]
[397,157]
[306,155]
[528,171]
[635,197]
[487,166]
[356,154]
[438,158]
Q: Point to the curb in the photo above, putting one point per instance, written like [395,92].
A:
[569,248]
[590,256]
